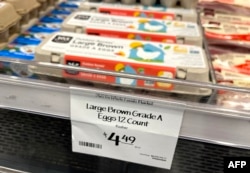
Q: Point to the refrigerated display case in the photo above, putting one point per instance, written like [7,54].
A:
[36,129]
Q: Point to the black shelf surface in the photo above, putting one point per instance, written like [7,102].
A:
[43,144]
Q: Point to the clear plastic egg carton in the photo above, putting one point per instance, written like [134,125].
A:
[9,24]
[27,9]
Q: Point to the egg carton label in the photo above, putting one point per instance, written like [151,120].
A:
[54,18]
[141,11]
[133,57]
[64,11]
[45,27]
[172,55]
[137,11]
[25,52]
[70,4]
[29,38]
[133,28]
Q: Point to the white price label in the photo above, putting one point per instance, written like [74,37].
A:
[124,128]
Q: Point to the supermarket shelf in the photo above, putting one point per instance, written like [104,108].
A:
[202,122]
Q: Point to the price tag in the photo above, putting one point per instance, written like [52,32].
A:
[124,128]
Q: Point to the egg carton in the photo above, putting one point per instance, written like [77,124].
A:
[28,10]
[121,55]
[133,28]
[189,15]
[189,4]
[9,23]
[45,4]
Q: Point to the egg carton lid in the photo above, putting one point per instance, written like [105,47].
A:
[54,48]
[10,16]
[23,7]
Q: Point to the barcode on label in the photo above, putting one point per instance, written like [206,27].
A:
[90,144]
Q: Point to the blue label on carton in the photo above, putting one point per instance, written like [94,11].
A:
[53,18]
[64,11]
[45,27]
[29,38]
[71,4]
[24,52]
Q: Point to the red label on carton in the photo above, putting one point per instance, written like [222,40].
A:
[118,66]
[132,35]
[137,13]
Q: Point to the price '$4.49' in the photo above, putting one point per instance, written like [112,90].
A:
[117,139]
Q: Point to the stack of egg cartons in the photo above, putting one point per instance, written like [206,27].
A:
[227,25]
[19,40]
[141,40]
[145,40]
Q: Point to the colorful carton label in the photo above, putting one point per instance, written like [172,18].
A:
[122,67]
[25,52]
[62,11]
[70,4]
[134,28]
[53,18]
[138,11]
[30,38]
[45,27]
[143,11]
[134,57]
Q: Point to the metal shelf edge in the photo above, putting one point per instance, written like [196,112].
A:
[51,99]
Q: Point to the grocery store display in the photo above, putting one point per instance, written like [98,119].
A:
[226,27]
[9,24]
[129,56]
[156,12]
[18,16]
[160,59]
[133,28]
